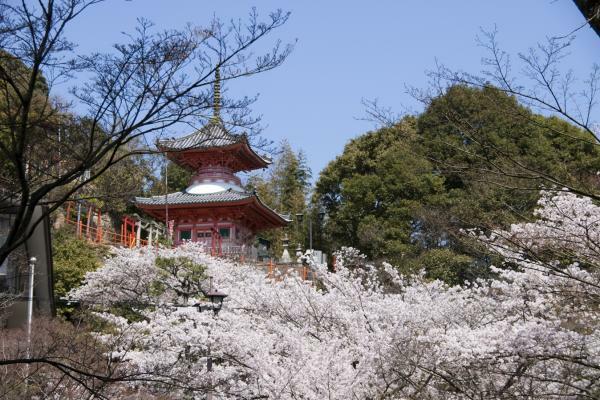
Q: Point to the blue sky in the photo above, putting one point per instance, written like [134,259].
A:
[349,50]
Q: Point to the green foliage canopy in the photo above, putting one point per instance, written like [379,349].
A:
[474,158]
[285,188]
[72,259]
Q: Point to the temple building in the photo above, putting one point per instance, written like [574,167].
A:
[214,209]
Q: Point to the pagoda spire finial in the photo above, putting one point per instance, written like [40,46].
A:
[217,97]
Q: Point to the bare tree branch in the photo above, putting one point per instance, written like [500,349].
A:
[154,82]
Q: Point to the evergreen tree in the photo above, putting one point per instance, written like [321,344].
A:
[407,193]
[285,188]
[178,178]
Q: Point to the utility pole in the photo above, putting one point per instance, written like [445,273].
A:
[310,231]
[167,200]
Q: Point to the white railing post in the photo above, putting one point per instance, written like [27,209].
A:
[32,262]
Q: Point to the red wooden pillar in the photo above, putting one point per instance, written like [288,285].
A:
[174,234]
[131,232]
[213,241]
[99,227]
[89,220]
[125,231]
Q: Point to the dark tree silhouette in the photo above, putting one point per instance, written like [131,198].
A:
[591,11]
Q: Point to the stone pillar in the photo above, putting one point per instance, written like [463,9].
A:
[138,234]
[150,232]
[285,257]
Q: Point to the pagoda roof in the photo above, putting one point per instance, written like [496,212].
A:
[221,203]
[190,198]
[191,150]
[211,135]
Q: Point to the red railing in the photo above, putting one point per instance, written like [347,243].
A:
[277,271]
[86,229]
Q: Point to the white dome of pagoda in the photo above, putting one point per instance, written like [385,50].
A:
[214,179]
[212,187]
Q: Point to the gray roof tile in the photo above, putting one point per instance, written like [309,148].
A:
[189,198]
[212,135]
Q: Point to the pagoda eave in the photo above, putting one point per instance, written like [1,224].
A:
[257,215]
[237,156]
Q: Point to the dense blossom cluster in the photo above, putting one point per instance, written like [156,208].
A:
[363,332]
[565,234]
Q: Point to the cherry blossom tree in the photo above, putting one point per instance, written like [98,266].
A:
[368,333]
[564,238]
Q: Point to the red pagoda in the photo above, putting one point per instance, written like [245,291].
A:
[214,209]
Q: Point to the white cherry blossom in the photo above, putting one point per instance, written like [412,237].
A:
[363,332]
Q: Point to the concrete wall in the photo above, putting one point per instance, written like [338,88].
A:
[16,273]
